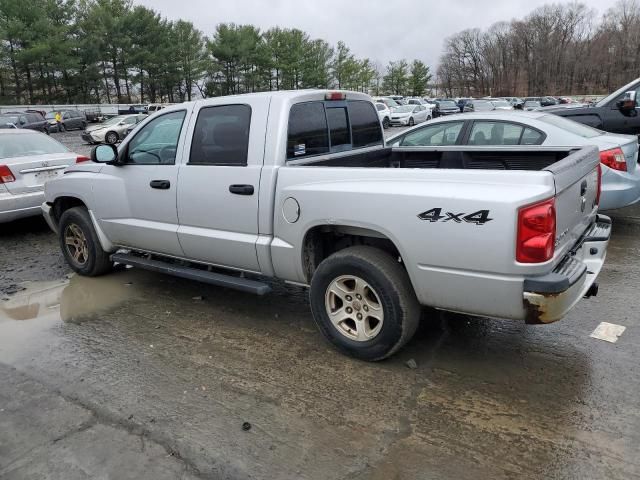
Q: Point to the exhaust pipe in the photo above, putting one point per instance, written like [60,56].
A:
[593,290]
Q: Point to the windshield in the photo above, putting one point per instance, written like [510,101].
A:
[405,109]
[114,120]
[448,104]
[21,145]
[390,102]
[576,128]
[482,106]
[50,116]
[500,103]
[4,119]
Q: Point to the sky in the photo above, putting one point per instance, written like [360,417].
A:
[381,30]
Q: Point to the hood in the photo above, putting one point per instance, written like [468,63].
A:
[566,107]
[94,128]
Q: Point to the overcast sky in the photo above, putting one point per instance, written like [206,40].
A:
[379,29]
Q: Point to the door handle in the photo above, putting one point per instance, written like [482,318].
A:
[160,184]
[583,188]
[241,189]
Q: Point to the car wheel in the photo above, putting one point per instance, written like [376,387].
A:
[386,123]
[61,127]
[83,125]
[111,138]
[363,302]
[80,245]
[411,122]
[428,118]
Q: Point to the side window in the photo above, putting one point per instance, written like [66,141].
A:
[338,128]
[221,136]
[308,133]
[130,120]
[66,116]
[157,142]
[365,124]
[495,133]
[531,137]
[380,106]
[440,134]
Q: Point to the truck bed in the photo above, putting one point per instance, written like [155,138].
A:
[458,157]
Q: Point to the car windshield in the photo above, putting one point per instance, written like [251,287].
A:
[405,109]
[4,119]
[24,144]
[576,128]
[50,116]
[390,102]
[482,106]
[448,104]
[500,103]
[114,120]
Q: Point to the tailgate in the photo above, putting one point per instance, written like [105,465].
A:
[576,181]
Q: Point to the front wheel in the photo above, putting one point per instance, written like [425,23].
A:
[428,118]
[386,123]
[111,138]
[80,245]
[363,302]
[411,122]
[61,127]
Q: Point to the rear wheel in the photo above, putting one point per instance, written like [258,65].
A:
[363,302]
[428,118]
[80,245]
[111,138]
[411,122]
[83,125]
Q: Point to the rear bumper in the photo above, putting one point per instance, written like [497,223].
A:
[13,207]
[550,297]
[619,189]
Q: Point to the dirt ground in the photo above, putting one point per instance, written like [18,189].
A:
[143,376]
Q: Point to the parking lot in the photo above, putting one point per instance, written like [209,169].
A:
[148,376]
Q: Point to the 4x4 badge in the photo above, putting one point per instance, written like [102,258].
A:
[435,215]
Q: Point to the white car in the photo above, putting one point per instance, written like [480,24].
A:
[27,160]
[384,113]
[410,115]
[112,130]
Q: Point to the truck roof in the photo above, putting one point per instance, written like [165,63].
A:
[310,94]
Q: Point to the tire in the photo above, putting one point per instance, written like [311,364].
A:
[411,122]
[428,118]
[386,123]
[389,296]
[83,125]
[93,260]
[61,128]
[111,138]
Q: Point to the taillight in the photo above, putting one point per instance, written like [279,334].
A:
[335,96]
[82,158]
[5,175]
[614,158]
[599,184]
[536,232]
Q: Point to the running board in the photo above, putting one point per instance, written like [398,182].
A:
[212,278]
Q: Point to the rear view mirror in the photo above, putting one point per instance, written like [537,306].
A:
[104,154]
[628,102]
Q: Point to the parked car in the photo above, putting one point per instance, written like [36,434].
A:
[544,101]
[462,102]
[28,159]
[388,101]
[305,190]
[516,102]
[616,113]
[131,109]
[532,105]
[479,106]
[93,115]
[410,115]
[399,99]
[384,114]
[71,119]
[445,107]
[500,104]
[618,153]
[24,120]
[112,130]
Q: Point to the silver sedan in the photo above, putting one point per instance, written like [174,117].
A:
[618,153]
[27,160]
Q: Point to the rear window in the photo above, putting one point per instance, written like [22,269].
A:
[316,128]
[576,128]
[22,145]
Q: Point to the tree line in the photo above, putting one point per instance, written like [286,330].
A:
[558,49]
[94,51]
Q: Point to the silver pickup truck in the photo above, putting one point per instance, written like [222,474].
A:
[300,186]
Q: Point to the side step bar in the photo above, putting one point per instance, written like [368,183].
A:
[228,281]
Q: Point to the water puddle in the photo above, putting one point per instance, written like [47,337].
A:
[71,300]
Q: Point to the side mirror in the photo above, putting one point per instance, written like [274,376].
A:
[104,154]
[628,102]
[22,121]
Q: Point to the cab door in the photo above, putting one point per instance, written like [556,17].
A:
[135,201]
[218,189]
